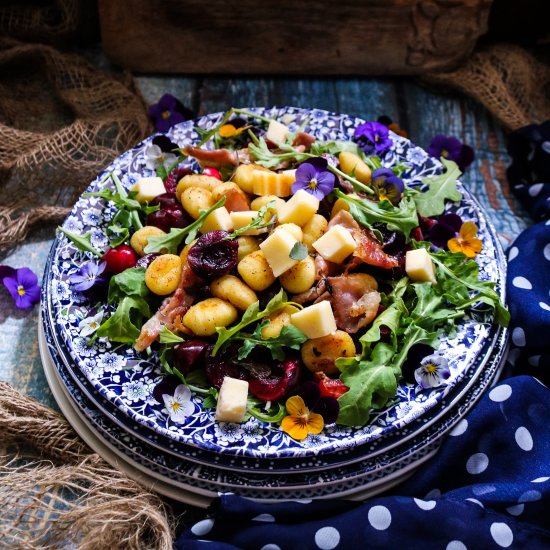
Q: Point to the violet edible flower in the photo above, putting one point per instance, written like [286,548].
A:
[165,144]
[326,406]
[168,112]
[314,177]
[373,138]
[387,185]
[446,227]
[453,149]
[22,284]
[88,276]
[433,371]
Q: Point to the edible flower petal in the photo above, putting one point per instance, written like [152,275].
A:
[168,112]
[164,142]
[90,324]
[446,228]
[155,156]
[22,284]
[300,422]
[179,405]
[451,148]
[325,405]
[88,276]
[433,371]
[393,126]
[314,177]
[373,138]
[230,130]
[466,242]
[387,185]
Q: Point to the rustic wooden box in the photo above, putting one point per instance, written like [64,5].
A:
[362,37]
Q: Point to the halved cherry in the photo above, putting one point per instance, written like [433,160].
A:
[120,258]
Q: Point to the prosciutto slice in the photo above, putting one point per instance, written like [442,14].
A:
[171,308]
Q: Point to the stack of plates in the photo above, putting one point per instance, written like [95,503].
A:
[105,389]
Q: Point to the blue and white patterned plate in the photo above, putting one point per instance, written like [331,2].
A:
[126,379]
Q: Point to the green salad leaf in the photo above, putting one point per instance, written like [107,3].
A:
[131,282]
[82,242]
[289,337]
[122,325]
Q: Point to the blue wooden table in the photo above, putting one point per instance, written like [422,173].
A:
[422,112]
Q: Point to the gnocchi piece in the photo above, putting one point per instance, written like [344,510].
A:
[255,271]
[350,164]
[293,229]
[277,321]
[140,238]
[196,180]
[233,290]
[320,354]
[247,245]
[243,176]
[195,199]
[236,199]
[300,277]
[185,251]
[163,274]
[203,318]
[314,229]
[260,202]
[339,204]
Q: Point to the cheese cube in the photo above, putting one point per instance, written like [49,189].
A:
[271,183]
[299,208]
[336,244]
[148,188]
[315,321]
[276,249]
[216,220]
[419,266]
[276,132]
[244,176]
[232,398]
[244,218]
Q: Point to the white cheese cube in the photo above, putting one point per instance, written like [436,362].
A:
[276,132]
[276,249]
[232,398]
[216,220]
[148,188]
[299,208]
[336,244]
[315,321]
[419,266]
[246,217]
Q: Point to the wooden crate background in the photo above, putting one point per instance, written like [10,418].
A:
[350,37]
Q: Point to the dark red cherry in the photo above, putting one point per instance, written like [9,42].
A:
[169,217]
[213,255]
[277,381]
[166,200]
[120,258]
[173,178]
[189,354]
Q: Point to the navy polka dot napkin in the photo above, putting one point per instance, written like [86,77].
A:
[489,485]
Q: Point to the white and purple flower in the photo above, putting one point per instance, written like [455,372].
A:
[433,372]
[179,405]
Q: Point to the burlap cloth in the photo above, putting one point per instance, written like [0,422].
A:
[64,493]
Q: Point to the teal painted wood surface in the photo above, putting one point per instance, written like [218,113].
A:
[422,112]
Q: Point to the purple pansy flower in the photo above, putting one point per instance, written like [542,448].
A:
[453,149]
[433,372]
[314,177]
[165,143]
[88,276]
[168,112]
[327,406]
[373,138]
[387,185]
[446,227]
[22,284]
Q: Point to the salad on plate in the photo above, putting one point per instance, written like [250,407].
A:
[281,276]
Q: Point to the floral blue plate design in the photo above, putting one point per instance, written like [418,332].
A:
[126,379]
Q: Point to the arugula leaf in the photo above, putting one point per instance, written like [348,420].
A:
[169,243]
[336,147]
[258,222]
[122,324]
[298,252]
[130,282]
[289,337]
[402,218]
[166,336]
[441,188]
[252,314]
[82,242]
[264,156]
[256,408]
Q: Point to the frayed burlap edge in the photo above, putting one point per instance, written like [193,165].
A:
[55,492]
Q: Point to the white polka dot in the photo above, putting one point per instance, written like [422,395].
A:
[535,189]
[271,547]
[523,438]
[546,251]
[264,517]
[477,463]
[434,493]
[522,282]
[516,510]
[379,517]
[304,501]
[456,545]
[500,393]
[540,479]
[518,337]
[480,490]
[202,527]
[475,501]
[514,251]
[546,146]
[502,534]
[530,496]
[425,504]
[327,538]
[544,306]
[534,360]
[460,428]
